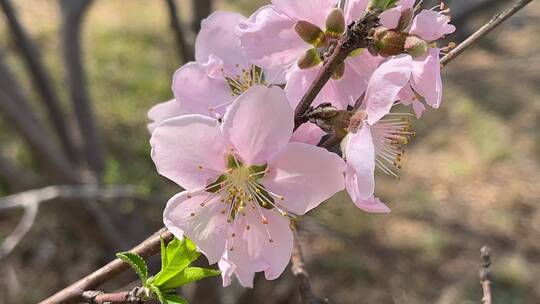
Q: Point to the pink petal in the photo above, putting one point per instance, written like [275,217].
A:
[206,226]
[390,18]
[426,77]
[385,84]
[407,97]
[355,9]
[228,269]
[308,133]
[253,251]
[371,205]
[259,123]
[197,92]
[314,11]
[181,144]
[360,153]
[406,4]
[218,37]
[268,38]
[304,176]
[162,111]
[431,25]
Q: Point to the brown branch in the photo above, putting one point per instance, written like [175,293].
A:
[485,274]
[201,9]
[73,293]
[484,30]
[182,44]
[134,296]
[299,271]
[40,79]
[73,12]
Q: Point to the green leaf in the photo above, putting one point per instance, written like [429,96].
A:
[158,293]
[163,254]
[179,254]
[136,262]
[189,275]
[174,299]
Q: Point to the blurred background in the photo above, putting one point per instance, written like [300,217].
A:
[77,78]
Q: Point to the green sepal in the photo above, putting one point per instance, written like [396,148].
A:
[357,52]
[179,255]
[310,33]
[382,4]
[136,262]
[189,275]
[309,59]
[174,299]
[216,186]
[339,72]
[335,22]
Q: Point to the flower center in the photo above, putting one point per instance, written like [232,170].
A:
[390,135]
[245,79]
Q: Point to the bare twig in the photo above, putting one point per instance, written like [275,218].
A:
[202,9]
[40,79]
[181,43]
[299,271]
[31,199]
[485,274]
[135,295]
[73,13]
[73,293]
[484,30]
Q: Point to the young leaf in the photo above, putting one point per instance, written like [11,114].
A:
[382,4]
[163,254]
[158,293]
[179,255]
[189,275]
[136,262]
[174,299]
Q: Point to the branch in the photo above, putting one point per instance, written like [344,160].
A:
[40,79]
[299,271]
[485,274]
[181,43]
[484,30]
[135,296]
[202,9]
[73,293]
[31,200]
[73,12]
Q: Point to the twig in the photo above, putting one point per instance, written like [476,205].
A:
[136,295]
[484,30]
[299,271]
[40,79]
[73,12]
[73,293]
[485,274]
[31,199]
[181,42]
[201,9]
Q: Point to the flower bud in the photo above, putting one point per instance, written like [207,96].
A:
[309,59]
[310,33]
[335,22]
[388,42]
[415,46]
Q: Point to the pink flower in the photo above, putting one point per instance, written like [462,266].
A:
[219,74]
[244,180]
[297,36]
[376,142]
[426,80]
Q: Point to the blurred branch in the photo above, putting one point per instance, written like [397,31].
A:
[181,42]
[201,8]
[14,176]
[299,271]
[485,274]
[73,293]
[17,111]
[40,79]
[484,30]
[73,12]
[31,199]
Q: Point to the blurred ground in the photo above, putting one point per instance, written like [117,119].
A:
[471,176]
